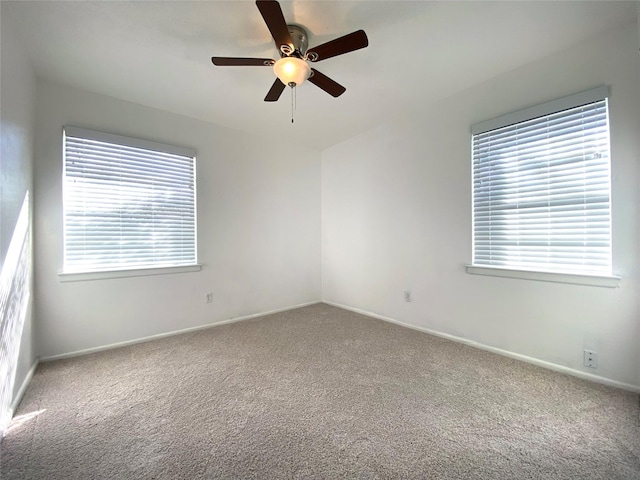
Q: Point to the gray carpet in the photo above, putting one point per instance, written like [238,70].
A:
[317,392]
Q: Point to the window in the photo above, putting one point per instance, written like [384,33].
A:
[128,204]
[541,188]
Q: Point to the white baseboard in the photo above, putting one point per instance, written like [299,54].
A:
[506,353]
[23,388]
[16,400]
[110,346]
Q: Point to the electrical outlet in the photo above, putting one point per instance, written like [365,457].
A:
[208,298]
[407,296]
[590,359]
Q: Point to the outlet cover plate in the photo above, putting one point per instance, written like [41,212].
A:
[590,359]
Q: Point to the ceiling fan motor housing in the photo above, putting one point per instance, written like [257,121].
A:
[300,40]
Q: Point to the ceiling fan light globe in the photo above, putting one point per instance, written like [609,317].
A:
[292,70]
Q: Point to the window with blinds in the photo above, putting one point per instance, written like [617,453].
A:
[541,188]
[128,203]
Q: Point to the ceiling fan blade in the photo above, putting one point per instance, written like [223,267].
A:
[273,17]
[339,46]
[332,87]
[276,90]
[239,62]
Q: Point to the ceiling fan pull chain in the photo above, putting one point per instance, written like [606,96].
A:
[292,89]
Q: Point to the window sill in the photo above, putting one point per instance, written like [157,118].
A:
[607,281]
[142,272]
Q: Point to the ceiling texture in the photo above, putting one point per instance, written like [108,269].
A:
[158,53]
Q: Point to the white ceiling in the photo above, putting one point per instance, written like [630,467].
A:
[157,53]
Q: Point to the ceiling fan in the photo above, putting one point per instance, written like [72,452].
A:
[293,68]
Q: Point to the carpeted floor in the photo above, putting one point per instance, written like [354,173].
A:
[317,392]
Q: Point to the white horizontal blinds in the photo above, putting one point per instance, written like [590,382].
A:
[126,207]
[541,191]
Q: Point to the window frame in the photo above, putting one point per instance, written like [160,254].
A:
[520,116]
[70,275]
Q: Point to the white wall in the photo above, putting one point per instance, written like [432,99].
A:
[638,200]
[258,229]
[17,100]
[396,215]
